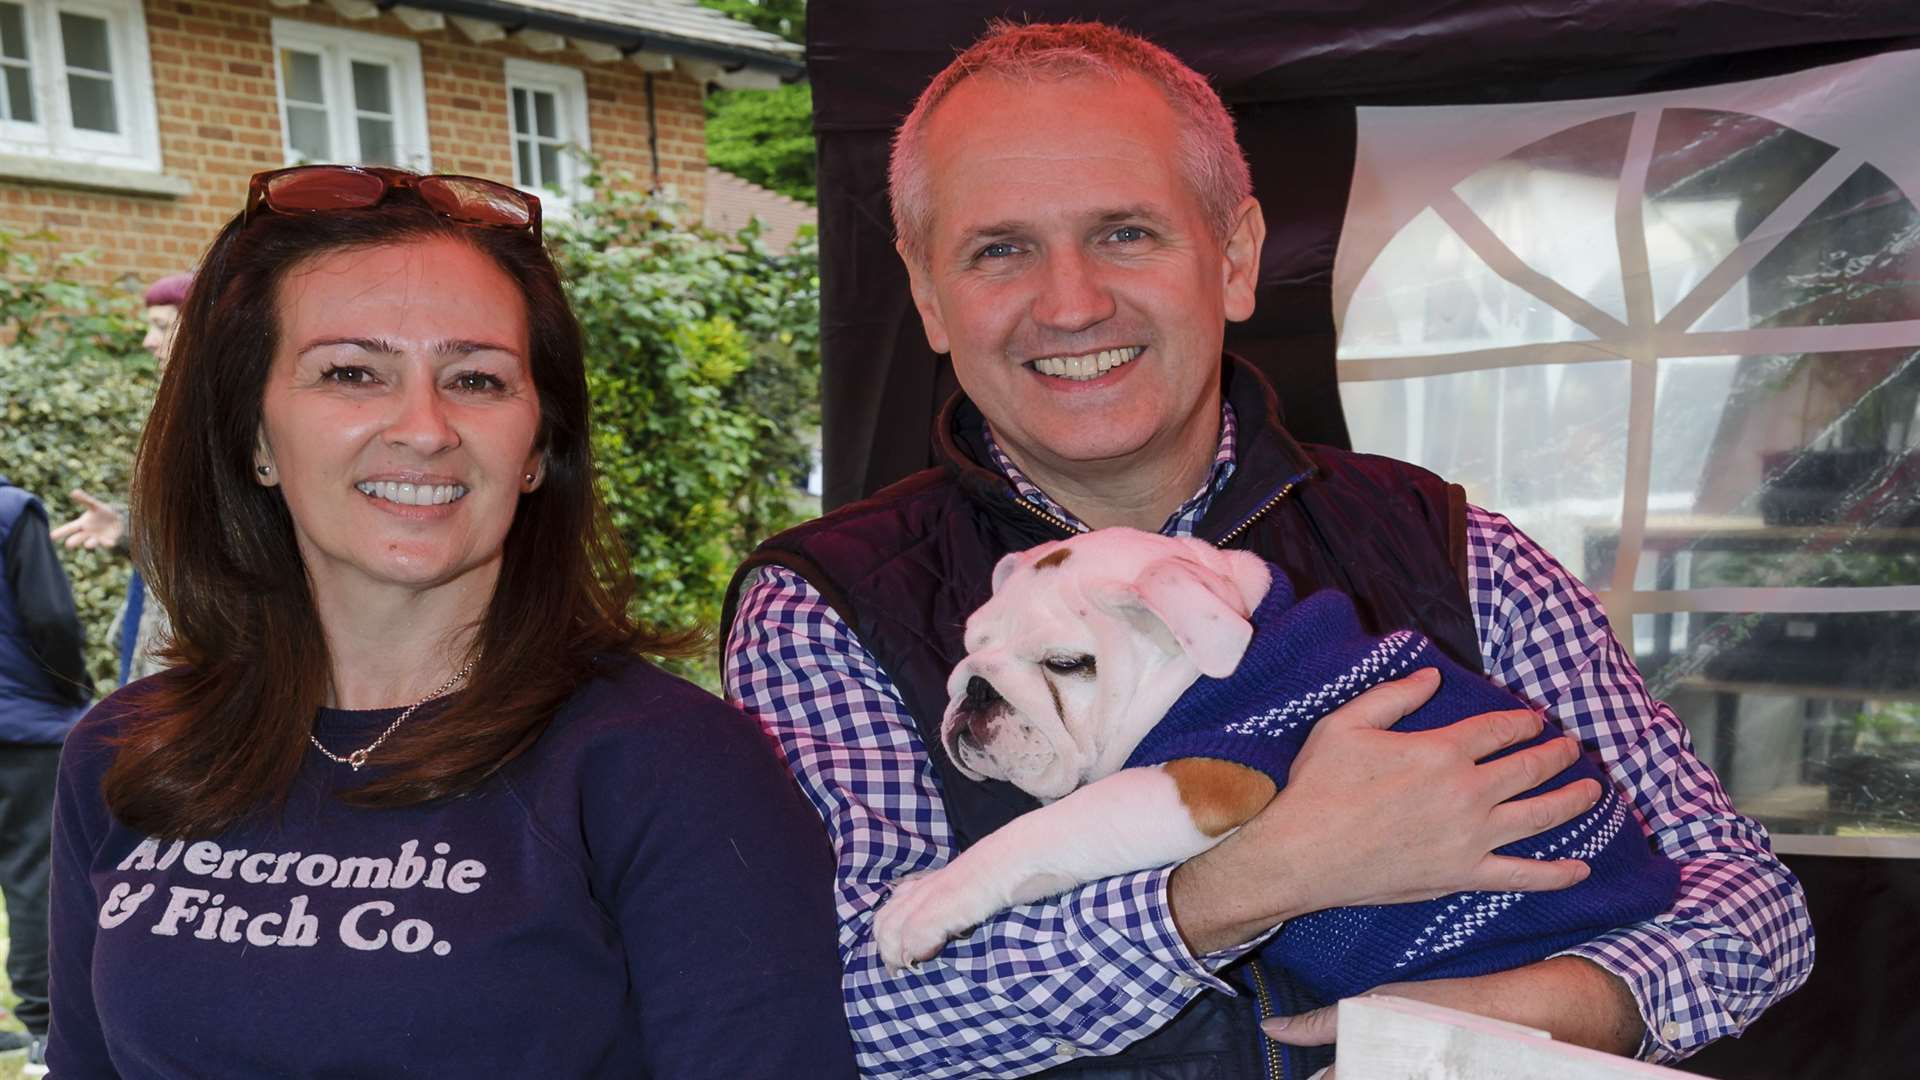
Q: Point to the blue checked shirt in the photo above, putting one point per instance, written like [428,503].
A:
[1095,969]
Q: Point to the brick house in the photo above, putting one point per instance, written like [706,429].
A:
[131,126]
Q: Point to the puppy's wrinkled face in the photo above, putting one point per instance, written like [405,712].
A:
[1068,666]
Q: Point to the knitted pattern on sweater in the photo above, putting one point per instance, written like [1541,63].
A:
[1307,659]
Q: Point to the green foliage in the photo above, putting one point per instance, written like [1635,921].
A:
[703,359]
[75,387]
[788,18]
[765,136]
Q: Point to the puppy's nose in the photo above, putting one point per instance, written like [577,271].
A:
[980,693]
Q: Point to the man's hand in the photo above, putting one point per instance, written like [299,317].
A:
[100,525]
[1574,1000]
[1372,816]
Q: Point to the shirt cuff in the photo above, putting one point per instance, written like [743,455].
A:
[1136,909]
[1647,960]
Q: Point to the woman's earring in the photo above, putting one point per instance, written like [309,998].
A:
[263,470]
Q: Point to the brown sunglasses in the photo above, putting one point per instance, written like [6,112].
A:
[315,189]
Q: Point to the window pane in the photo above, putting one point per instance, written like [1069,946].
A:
[300,76]
[550,167]
[1552,204]
[376,143]
[85,40]
[1545,445]
[92,102]
[20,95]
[307,133]
[1812,721]
[1714,177]
[1852,260]
[549,127]
[13,31]
[371,92]
[524,175]
[521,126]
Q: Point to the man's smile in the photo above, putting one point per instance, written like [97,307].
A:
[1086,365]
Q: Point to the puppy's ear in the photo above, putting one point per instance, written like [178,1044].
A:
[1202,611]
[1005,568]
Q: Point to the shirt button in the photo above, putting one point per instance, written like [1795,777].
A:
[1063,1048]
[1671,1031]
[1186,982]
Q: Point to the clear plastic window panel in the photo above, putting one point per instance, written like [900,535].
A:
[16,68]
[1690,331]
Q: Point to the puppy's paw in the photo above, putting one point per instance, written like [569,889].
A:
[917,920]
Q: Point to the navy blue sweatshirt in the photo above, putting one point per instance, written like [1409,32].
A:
[643,893]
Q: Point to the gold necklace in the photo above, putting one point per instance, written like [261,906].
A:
[359,757]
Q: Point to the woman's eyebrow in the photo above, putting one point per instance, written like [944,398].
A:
[450,347]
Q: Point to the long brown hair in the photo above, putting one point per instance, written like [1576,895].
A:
[221,736]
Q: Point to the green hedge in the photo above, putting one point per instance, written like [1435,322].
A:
[74,389]
[702,356]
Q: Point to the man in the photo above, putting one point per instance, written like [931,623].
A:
[44,688]
[141,624]
[1077,224]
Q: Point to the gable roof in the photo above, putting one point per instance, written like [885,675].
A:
[678,27]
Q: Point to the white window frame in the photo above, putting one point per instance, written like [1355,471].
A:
[569,88]
[338,49]
[52,134]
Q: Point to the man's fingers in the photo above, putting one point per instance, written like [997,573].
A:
[1314,1028]
[1489,733]
[1524,770]
[80,496]
[1385,705]
[1505,873]
[1529,817]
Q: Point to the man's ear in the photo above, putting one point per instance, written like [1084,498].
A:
[925,300]
[1240,262]
[1196,608]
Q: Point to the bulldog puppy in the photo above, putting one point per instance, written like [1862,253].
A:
[1154,692]
[1083,646]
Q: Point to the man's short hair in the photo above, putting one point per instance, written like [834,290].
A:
[169,291]
[1209,155]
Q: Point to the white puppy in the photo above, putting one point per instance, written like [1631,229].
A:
[1084,645]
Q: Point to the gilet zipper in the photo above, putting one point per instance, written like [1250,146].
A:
[1046,517]
[1246,523]
[1263,1009]
[1229,537]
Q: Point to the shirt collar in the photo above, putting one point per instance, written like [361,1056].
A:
[1183,521]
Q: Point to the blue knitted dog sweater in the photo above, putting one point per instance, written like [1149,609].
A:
[1309,658]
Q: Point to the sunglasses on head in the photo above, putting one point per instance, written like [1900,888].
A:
[316,189]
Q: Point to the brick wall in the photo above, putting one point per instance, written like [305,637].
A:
[213,73]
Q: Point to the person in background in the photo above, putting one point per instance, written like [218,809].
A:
[140,626]
[44,689]
[1077,225]
[410,802]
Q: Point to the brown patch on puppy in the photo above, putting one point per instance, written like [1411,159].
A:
[1059,707]
[1048,562]
[1221,795]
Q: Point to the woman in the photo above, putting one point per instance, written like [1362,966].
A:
[411,804]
